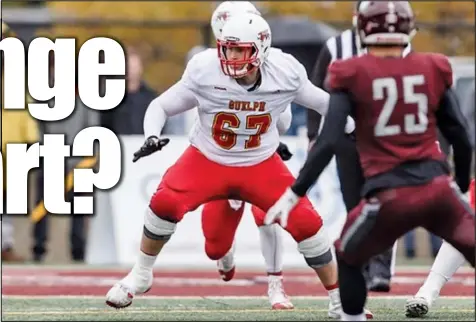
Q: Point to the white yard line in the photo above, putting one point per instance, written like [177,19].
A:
[153,297]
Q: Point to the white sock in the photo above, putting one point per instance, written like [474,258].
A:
[348,317]
[145,262]
[334,296]
[272,278]
[447,262]
[272,248]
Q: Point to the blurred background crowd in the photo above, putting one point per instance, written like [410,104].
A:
[159,38]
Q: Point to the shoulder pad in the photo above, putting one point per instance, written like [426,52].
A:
[444,67]
[199,67]
[293,71]
[340,74]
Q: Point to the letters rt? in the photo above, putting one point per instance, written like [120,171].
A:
[20,160]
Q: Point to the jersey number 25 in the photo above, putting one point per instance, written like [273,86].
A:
[225,137]
[411,124]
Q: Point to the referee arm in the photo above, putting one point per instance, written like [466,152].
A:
[318,77]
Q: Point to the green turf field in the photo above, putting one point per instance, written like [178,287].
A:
[213,309]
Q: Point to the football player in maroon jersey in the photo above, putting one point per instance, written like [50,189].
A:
[398,101]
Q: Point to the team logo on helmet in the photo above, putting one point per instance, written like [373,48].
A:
[223,15]
[264,35]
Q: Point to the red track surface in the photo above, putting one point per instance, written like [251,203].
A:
[198,283]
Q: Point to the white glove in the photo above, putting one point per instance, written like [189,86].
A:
[282,208]
[350,125]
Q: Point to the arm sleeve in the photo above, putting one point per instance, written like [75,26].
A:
[454,128]
[284,121]
[317,99]
[318,76]
[313,98]
[177,99]
[322,151]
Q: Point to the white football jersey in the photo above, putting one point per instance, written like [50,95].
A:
[235,126]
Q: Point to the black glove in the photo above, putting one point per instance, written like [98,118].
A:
[351,135]
[151,145]
[284,152]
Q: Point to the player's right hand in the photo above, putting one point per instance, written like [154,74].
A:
[151,145]
[282,208]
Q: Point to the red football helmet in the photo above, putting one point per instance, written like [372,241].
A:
[385,23]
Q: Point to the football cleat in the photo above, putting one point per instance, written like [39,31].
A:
[226,265]
[276,294]
[122,293]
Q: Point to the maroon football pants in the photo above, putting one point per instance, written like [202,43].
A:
[375,224]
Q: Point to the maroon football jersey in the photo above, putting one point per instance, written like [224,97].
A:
[394,105]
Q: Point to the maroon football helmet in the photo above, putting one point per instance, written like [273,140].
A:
[385,23]
[356,13]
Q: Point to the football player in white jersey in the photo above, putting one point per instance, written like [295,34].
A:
[240,94]
[220,218]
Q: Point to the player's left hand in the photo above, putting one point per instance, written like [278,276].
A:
[284,152]
[282,208]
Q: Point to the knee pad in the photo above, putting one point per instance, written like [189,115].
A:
[316,249]
[166,204]
[157,228]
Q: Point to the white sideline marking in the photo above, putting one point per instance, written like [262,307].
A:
[51,280]
[153,297]
[402,269]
